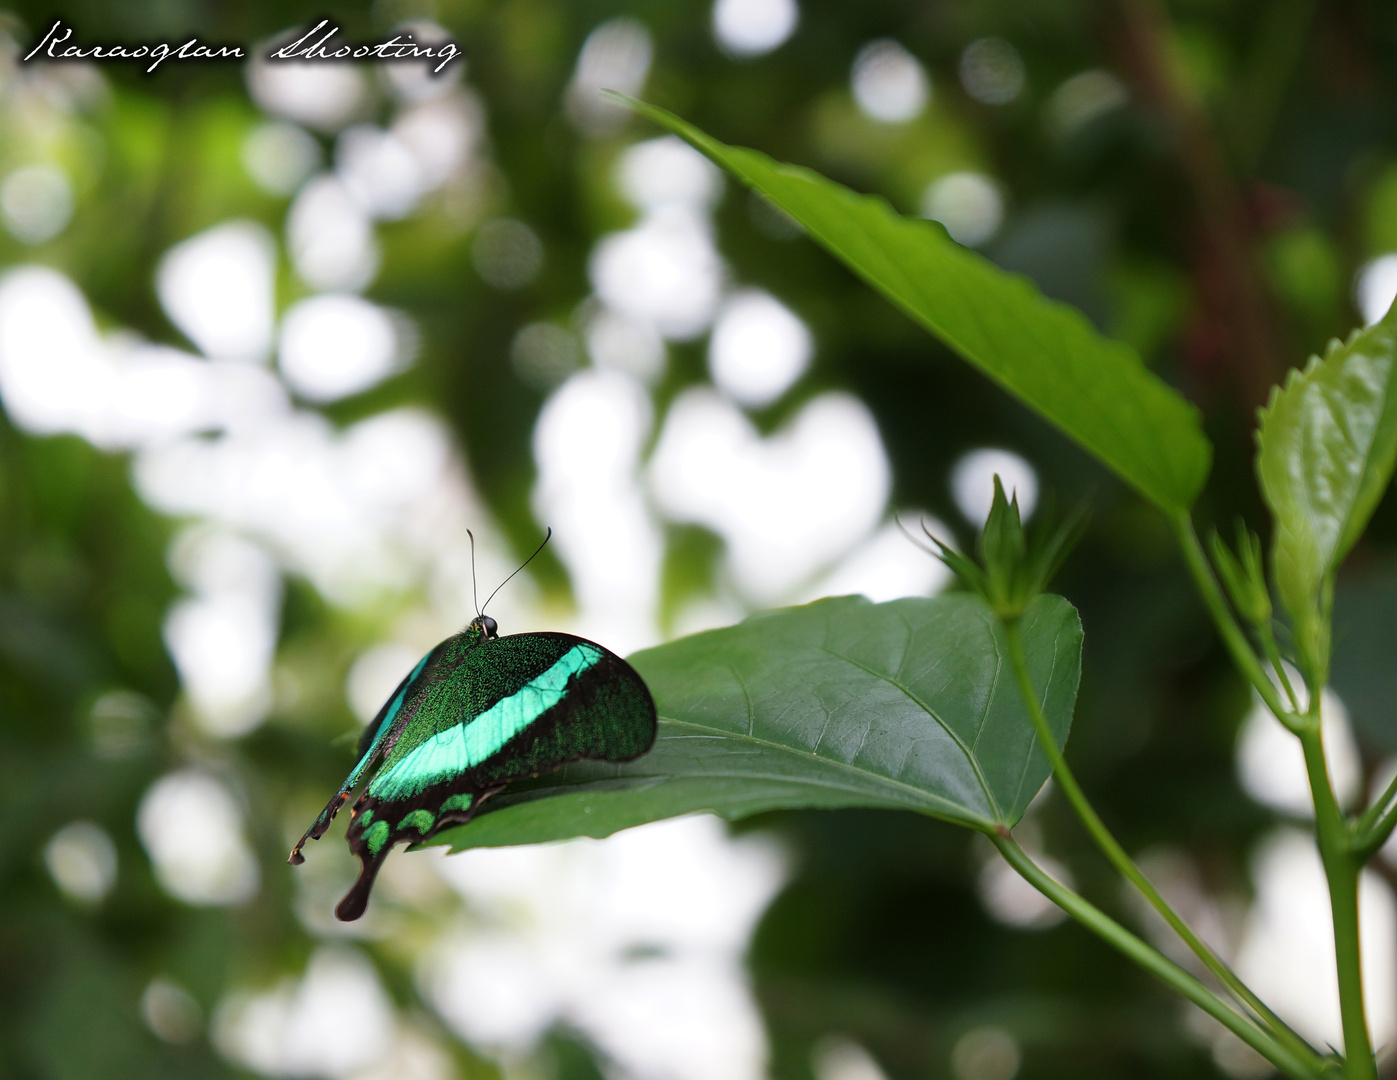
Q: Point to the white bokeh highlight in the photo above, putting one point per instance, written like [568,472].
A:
[218,286]
[1271,764]
[666,172]
[317,95]
[381,173]
[664,272]
[972,483]
[1011,900]
[615,56]
[222,638]
[1375,287]
[507,253]
[992,71]
[987,1052]
[633,347]
[58,375]
[442,134]
[888,566]
[1083,98]
[1287,952]
[746,28]
[375,674]
[330,237]
[332,1022]
[788,505]
[656,982]
[280,156]
[967,203]
[838,1058]
[170,1012]
[587,445]
[192,829]
[335,345]
[369,508]
[889,84]
[81,859]
[36,203]
[758,349]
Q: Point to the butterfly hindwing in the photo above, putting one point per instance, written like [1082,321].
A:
[480,715]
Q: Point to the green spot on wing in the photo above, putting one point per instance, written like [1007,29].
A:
[458,802]
[421,820]
[376,837]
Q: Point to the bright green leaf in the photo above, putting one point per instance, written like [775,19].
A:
[1047,354]
[1328,442]
[906,705]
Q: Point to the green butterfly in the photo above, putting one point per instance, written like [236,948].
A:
[478,711]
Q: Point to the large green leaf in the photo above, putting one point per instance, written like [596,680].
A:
[1047,354]
[1328,442]
[906,705]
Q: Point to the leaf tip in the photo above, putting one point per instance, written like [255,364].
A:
[620,98]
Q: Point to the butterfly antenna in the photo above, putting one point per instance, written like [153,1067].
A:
[525,563]
[475,590]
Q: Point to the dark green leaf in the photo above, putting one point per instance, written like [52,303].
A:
[1047,354]
[1328,442]
[906,705]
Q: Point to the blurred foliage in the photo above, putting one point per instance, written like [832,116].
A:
[1214,221]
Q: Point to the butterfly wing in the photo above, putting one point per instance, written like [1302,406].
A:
[512,707]
[377,737]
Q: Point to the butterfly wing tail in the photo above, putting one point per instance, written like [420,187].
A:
[357,899]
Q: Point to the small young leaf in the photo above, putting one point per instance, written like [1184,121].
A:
[1047,354]
[1328,441]
[1014,567]
[1243,575]
[1004,552]
[839,703]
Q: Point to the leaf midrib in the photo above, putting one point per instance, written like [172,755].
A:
[922,795]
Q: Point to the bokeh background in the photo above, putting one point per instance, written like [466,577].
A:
[272,337]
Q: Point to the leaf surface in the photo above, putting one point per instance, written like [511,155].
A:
[1096,390]
[906,705]
[1328,441]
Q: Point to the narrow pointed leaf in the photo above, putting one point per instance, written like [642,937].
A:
[1047,354]
[1328,441]
[906,705]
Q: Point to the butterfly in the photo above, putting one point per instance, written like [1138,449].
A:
[477,712]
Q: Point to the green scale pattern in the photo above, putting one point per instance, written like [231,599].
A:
[437,745]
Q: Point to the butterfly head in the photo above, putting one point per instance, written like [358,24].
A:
[483,628]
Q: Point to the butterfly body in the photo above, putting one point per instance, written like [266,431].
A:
[477,712]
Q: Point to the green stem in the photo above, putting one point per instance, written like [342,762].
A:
[1341,862]
[1242,653]
[1273,654]
[1126,866]
[1371,831]
[1152,961]
[1342,866]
